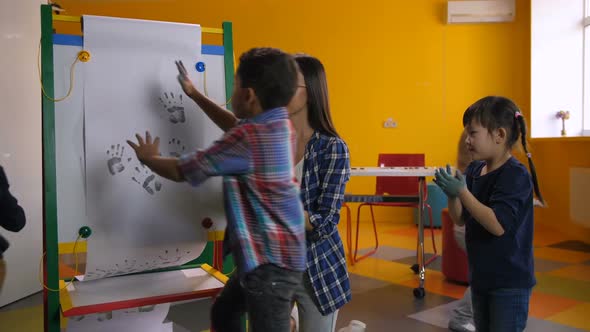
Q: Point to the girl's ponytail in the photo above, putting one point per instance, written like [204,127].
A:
[522,126]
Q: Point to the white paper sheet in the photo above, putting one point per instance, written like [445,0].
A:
[141,286]
[140,221]
[142,319]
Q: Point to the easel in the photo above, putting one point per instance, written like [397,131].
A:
[53,303]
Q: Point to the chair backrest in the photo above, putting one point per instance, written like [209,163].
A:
[393,185]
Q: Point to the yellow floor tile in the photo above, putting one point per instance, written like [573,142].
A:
[577,272]
[559,286]
[544,305]
[20,320]
[562,255]
[399,242]
[410,238]
[575,317]
[412,231]
[545,236]
[367,238]
[383,270]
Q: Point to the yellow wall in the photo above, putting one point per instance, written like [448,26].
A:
[554,160]
[384,59]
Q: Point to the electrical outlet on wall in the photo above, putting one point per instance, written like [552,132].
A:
[389,123]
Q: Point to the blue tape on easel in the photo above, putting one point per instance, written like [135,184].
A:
[75,40]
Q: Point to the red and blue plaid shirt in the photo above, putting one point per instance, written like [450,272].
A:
[265,222]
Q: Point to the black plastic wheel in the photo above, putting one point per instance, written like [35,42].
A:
[414,268]
[419,292]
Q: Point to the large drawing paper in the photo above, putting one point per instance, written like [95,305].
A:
[139,220]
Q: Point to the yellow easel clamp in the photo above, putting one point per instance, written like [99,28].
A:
[83,56]
[214,273]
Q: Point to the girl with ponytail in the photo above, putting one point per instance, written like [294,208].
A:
[494,200]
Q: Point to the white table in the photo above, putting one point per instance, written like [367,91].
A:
[421,173]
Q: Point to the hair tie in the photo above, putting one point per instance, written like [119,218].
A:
[517,114]
[529,155]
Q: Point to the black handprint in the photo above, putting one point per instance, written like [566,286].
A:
[172,258]
[103,316]
[115,155]
[127,267]
[147,308]
[176,148]
[174,107]
[146,183]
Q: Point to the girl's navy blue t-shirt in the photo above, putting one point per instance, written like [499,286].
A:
[501,261]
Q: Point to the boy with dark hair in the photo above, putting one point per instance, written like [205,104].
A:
[265,222]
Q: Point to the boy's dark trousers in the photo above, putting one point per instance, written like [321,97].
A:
[265,294]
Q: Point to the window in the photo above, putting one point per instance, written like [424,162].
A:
[560,67]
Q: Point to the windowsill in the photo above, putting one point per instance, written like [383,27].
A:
[561,139]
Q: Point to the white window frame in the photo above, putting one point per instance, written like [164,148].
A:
[586,87]
[559,76]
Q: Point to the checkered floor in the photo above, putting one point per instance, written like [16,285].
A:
[382,289]
[383,283]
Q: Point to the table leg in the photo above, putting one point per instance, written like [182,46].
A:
[349,234]
[419,292]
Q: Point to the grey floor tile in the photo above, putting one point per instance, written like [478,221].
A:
[438,316]
[389,253]
[387,308]
[572,245]
[539,325]
[29,301]
[434,265]
[361,284]
[192,316]
[544,265]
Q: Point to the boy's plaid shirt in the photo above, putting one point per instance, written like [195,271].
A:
[264,213]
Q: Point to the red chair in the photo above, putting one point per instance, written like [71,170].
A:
[395,186]
[454,259]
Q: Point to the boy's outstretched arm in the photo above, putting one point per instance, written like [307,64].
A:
[148,153]
[223,118]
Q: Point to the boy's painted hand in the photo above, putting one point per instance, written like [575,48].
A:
[451,185]
[183,79]
[145,149]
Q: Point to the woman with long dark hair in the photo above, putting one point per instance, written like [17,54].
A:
[323,169]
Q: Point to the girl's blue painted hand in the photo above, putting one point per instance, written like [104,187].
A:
[440,181]
[451,185]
